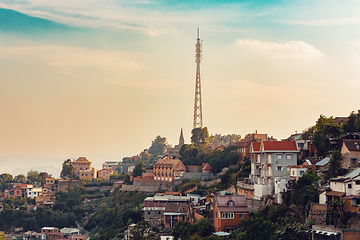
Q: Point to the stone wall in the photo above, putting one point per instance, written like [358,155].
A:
[317,213]
[146,187]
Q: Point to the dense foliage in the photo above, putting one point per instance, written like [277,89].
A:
[272,222]
[202,229]
[114,216]
[305,192]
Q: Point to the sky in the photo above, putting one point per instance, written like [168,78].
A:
[102,79]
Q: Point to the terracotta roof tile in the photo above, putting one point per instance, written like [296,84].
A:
[280,146]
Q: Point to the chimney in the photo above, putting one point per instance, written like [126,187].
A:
[255,131]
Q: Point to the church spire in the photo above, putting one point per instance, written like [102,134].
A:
[181,138]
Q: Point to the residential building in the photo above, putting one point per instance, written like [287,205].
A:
[154,207]
[79,237]
[174,214]
[33,192]
[229,211]
[14,192]
[83,168]
[270,159]
[104,173]
[69,232]
[44,201]
[243,146]
[167,169]
[112,165]
[351,151]
[46,230]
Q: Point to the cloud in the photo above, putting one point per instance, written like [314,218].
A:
[290,49]
[71,57]
[326,22]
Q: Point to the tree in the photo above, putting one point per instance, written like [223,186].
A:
[200,136]
[68,170]
[20,178]
[224,140]
[33,176]
[158,146]
[324,129]
[139,169]
[6,178]
[353,123]
[43,176]
[143,230]
[335,165]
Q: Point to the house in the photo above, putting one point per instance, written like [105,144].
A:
[64,184]
[175,213]
[229,211]
[44,201]
[79,237]
[46,230]
[154,207]
[69,232]
[322,165]
[33,192]
[350,149]
[112,165]
[104,173]
[270,159]
[14,192]
[344,186]
[83,168]
[167,169]
[243,146]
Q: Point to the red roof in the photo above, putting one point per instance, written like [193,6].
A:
[239,203]
[280,146]
[256,146]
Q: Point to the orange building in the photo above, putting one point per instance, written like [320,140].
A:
[83,168]
[167,169]
[229,211]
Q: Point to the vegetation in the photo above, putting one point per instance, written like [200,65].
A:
[224,140]
[114,216]
[305,192]
[139,169]
[202,229]
[68,170]
[272,222]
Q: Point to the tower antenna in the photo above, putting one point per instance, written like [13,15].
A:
[197,104]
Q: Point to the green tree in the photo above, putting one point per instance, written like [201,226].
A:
[335,169]
[189,155]
[338,216]
[158,146]
[200,136]
[43,176]
[20,178]
[68,170]
[139,169]
[224,140]
[353,123]
[324,129]
[33,176]
[6,178]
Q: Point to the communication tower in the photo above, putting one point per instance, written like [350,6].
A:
[197,104]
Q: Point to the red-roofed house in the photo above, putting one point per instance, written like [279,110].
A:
[270,159]
[229,211]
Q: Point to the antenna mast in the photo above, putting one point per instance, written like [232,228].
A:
[197,105]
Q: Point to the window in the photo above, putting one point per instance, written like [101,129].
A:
[357,182]
[301,172]
[279,156]
[227,215]
[349,185]
[241,216]
[231,203]
[288,156]
[279,168]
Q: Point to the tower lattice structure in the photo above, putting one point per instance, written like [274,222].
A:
[197,104]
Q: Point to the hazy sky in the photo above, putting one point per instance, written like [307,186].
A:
[103,78]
